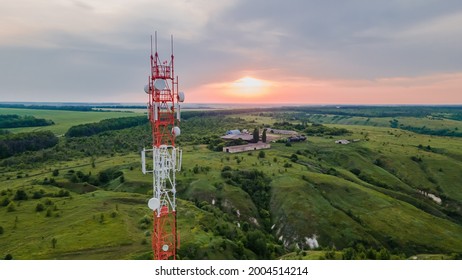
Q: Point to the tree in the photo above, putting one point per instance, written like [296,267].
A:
[16,143]
[1,230]
[256,241]
[8,257]
[383,254]
[55,172]
[348,254]
[263,136]
[261,154]
[103,177]
[53,242]
[256,135]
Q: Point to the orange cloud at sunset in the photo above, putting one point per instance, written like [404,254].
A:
[432,89]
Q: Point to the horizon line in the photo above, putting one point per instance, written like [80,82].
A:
[232,103]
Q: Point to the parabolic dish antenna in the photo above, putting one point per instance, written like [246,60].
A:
[146,88]
[165,248]
[176,131]
[153,203]
[181,96]
[160,84]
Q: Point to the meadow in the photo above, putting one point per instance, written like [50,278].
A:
[389,193]
[63,119]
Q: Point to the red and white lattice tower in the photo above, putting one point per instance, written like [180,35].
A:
[164,116]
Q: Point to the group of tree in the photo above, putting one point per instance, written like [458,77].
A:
[12,121]
[429,131]
[102,178]
[359,252]
[256,184]
[85,130]
[49,107]
[12,144]
[316,129]
[319,129]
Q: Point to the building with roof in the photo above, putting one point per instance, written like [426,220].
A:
[247,147]
[343,142]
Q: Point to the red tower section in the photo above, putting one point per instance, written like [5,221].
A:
[163,90]
[164,116]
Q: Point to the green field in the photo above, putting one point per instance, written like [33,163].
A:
[63,119]
[391,193]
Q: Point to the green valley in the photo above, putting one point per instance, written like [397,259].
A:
[392,190]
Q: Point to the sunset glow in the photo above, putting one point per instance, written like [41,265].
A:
[249,87]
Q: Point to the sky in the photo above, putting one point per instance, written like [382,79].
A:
[234,51]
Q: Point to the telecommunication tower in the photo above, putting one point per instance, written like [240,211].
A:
[164,115]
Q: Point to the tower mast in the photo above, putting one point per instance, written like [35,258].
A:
[164,115]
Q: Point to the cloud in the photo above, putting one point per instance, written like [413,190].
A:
[100,49]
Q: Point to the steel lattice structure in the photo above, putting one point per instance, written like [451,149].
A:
[164,116]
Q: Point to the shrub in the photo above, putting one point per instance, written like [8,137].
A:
[261,154]
[5,201]
[355,171]
[11,207]
[294,157]
[37,195]
[20,195]
[226,168]
[39,207]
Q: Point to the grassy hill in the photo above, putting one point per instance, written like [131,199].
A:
[391,189]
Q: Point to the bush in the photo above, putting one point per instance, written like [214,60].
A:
[226,168]
[20,195]
[37,195]
[62,193]
[5,201]
[379,162]
[355,171]
[1,230]
[39,207]
[261,154]
[11,207]
[294,157]
[416,159]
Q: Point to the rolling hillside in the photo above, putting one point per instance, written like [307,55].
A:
[390,189]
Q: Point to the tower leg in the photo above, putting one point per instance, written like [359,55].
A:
[164,243]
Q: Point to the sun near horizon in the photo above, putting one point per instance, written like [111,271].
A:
[243,90]
[249,87]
